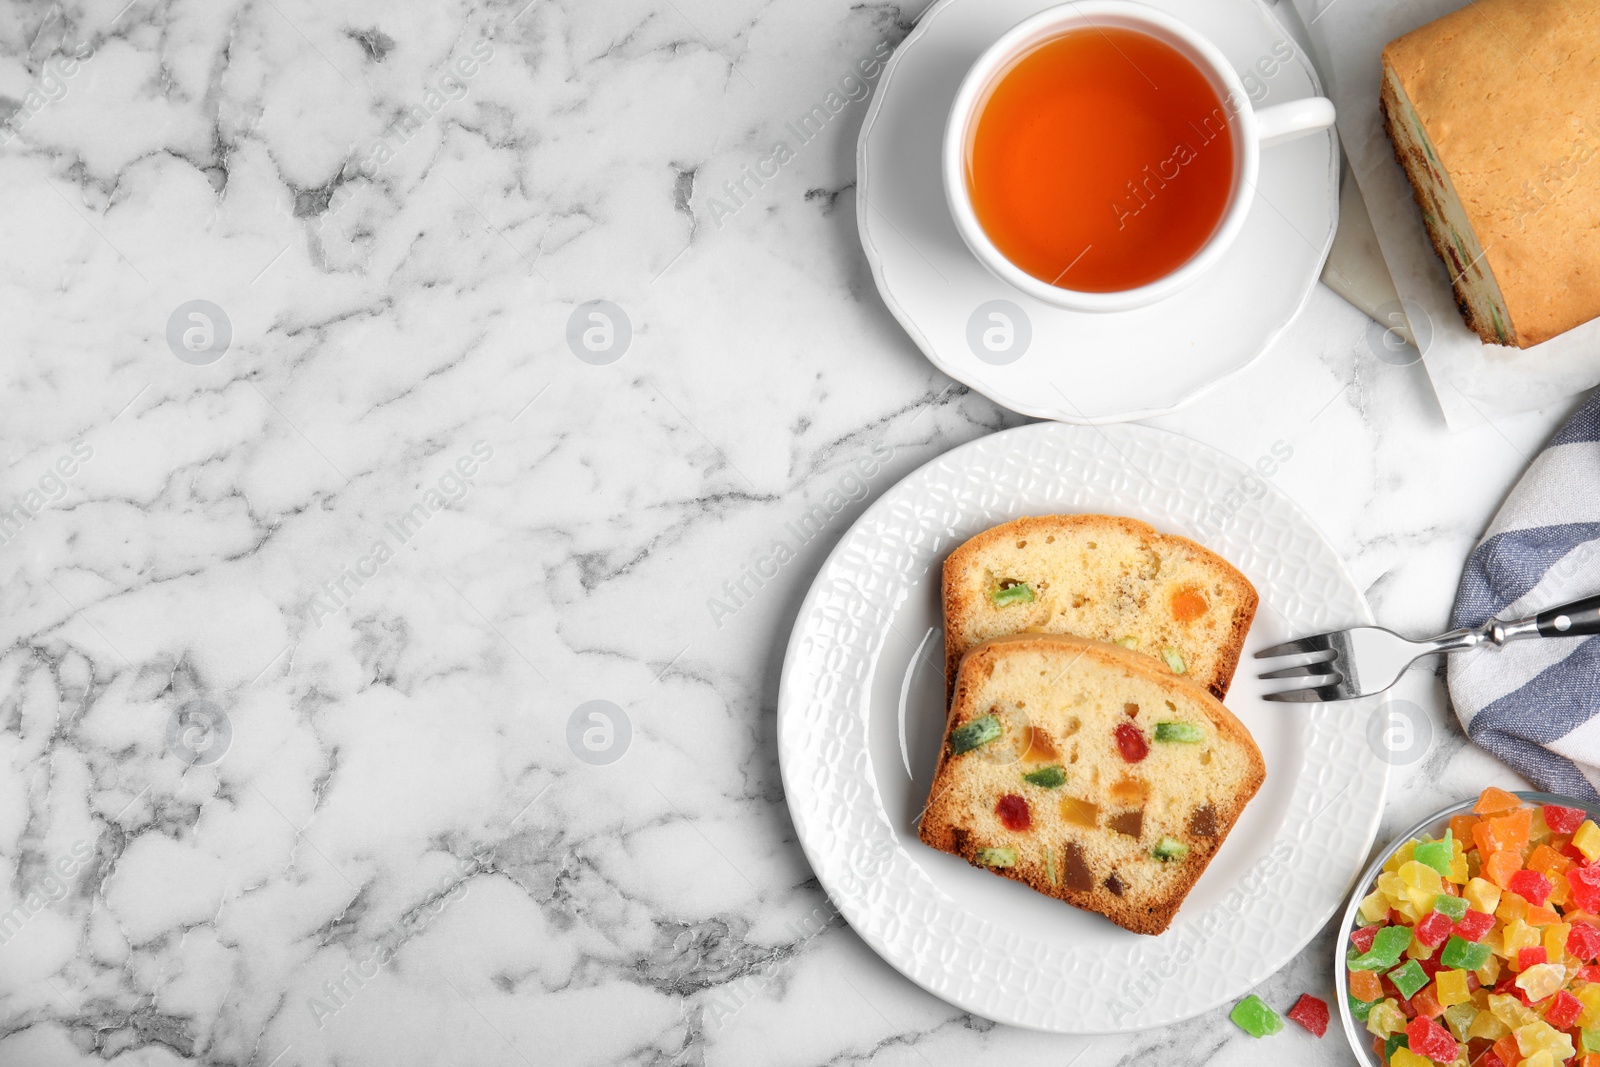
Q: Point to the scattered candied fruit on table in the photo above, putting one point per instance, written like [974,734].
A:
[1255,1017]
[1311,1012]
[1480,946]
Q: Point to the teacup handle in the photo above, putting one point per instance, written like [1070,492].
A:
[1285,122]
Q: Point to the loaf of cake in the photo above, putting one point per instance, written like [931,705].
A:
[1101,577]
[1089,773]
[1491,111]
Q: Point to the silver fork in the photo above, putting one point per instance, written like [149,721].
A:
[1369,659]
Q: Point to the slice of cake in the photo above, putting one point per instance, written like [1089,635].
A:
[1490,110]
[1107,578]
[1089,773]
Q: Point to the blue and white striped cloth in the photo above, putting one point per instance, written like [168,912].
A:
[1536,704]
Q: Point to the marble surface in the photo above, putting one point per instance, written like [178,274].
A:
[303,634]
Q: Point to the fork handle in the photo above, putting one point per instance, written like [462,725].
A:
[1581,618]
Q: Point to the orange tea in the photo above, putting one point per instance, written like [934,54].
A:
[1101,160]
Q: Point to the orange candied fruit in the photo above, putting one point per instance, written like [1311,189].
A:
[1545,859]
[1461,827]
[1508,1050]
[1493,801]
[1365,986]
[1500,866]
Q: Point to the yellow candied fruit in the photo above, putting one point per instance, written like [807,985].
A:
[1458,1017]
[1386,1017]
[1414,875]
[1538,1059]
[1417,950]
[1489,973]
[1487,1026]
[1555,940]
[1538,829]
[1459,872]
[1517,936]
[1540,1036]
[1482,895]
[1587,840]
[1589,994]
[1374,907]
[1393,890]
[1512,908]
[1401,857]
[1450,987]
[1404,1057]
[1510,1011]
[1560,890]
[1542,980]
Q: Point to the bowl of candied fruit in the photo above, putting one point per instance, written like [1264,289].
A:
[1474,939]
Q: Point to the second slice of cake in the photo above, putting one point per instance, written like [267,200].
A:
[1089,773]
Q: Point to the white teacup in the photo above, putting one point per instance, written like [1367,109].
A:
[1252,129]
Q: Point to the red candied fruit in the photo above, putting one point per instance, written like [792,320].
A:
[1311,1012]
[1013,812]
[1432,930]
[1474,924]
[1131,743]
[1362,938]
[1531,886]
[1531,957]
[1489,1059]
[1572,853]
[1591,973]
[1427,1038]
[1562,820]
[1563,1011]
[1583,941]
[1584,882]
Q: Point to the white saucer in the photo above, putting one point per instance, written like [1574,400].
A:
[1067,365]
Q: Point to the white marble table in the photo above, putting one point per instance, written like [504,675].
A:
[297,631]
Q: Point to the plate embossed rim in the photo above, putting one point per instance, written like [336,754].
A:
[824,708]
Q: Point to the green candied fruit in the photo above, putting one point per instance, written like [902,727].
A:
[1255,1017]
[1385,950]
[1462,955]
[1168,849]
[1452,908]
[998,857]
[1174,660]
[1051,777]
[1186,732]
[975,734]
[1436,854]
[1589,1036]
[1408,978]
[1012,592]
[1128,641]
[1392,1042]
[1359,1008]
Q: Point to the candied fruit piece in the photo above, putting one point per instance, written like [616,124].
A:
[1493,800]
[1404,1057]
[1129,823]
[1507,1049]
[1547,860]
[1482,895]
[1486,1027]
[1169,850]
[1408,978]
[1051,777]
[1434,928]
[1365,986]
[1255,1017]
[1386,1018]
[1531,957]
[1540,916]
[1530,886]
[1179,733]
[1584,885]
[1590,996]
[1473,925]
[1077,812]
[1203,823]
[1500,866]
[997,857]
[1586,839]
[1075,867]
[1511,1011]
[1516,936]
[1463,954]
[1362,938]
[1453,907]
[1435,854]
[1541,980]
[1452,987]
[1511,831]
[1427,1038]
[1555,941]
[1461,826]
[1564,1010]
[1583,941]
[1374,906]
[1562,820]
[1311,1012]
[1360,1008]
[1013,812]
[975,734]
[1385,952]
[1426,1003]
[1589,1040]
[1131,743]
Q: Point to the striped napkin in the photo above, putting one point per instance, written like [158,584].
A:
[1536,703]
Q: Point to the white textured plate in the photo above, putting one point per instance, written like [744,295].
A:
[1076,366]
[861,717]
